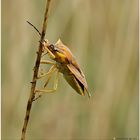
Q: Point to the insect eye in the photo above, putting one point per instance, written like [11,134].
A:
[53,47]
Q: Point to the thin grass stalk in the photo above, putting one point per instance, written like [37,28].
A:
[36,69]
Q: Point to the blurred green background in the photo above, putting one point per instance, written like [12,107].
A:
[103,36]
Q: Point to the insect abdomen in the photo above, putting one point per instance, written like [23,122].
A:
[74,83]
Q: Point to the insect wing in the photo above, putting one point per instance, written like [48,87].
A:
[78,75]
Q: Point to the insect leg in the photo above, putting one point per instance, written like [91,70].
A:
[45,48]
[51,70]
[50,53]
[47,62]
[49,77]
[54,87]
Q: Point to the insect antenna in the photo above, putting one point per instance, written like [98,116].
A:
[34,27]
[37,31]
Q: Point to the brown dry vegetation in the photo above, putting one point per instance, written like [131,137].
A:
[103,35]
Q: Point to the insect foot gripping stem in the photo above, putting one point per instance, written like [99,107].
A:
[35,98]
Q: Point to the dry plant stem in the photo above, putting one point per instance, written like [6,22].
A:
[36,69]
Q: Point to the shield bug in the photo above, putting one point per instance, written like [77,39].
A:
[65,63]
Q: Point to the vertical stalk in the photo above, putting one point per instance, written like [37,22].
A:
[36,69]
